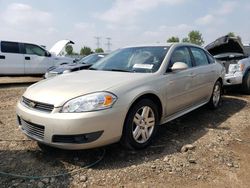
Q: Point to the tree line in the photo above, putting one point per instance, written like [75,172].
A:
[194,37]
[83,51]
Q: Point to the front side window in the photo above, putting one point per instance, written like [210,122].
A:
[134,59]
[210,58]
[181,55]
[34,50]
[10,47]
[200,57]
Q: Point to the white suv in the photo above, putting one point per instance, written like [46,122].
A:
[17,58]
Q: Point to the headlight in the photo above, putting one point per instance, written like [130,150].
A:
[66,71]
[90,102]
[234,68]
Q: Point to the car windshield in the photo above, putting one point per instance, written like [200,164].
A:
[90,59]
[133,59]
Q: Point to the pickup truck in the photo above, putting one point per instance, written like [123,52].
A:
[230,52]
[19,58]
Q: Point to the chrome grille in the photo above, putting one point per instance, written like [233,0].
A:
[33,130]
[37,105]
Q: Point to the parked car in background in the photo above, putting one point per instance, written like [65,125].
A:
[83,63]
[247,49]
[230,52]
[124,97]
[18,58]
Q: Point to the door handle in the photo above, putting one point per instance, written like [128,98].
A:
[27,58]
[2,57]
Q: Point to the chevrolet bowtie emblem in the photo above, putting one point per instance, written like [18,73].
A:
[32,104]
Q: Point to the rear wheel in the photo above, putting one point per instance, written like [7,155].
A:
[215,99]
[246,83]
[140,125]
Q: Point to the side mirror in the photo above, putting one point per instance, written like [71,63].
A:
[48,54]
[178,66]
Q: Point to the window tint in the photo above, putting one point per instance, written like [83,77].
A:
[199,56]
[34,50]
[210,58]
[181,55]
[10,47]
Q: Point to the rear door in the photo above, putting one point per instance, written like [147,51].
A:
[204,75]
[11,58]
[37,59]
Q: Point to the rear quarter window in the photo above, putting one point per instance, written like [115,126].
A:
[10,47]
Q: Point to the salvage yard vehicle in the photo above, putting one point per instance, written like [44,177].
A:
[17,58]
[124,97]
[83,63]
[230,52]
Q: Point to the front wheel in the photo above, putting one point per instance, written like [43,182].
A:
[246,83]
[215,99]
[140,125]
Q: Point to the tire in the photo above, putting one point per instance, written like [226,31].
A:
[246,83]
[140,125]
[215,100]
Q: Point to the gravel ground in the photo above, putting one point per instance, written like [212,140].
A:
[201,149]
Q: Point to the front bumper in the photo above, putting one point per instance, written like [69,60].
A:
[233,79]
[92,129]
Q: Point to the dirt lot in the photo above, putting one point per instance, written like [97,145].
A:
[219,154]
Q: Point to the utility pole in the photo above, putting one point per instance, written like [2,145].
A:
[109,44]
[98,41]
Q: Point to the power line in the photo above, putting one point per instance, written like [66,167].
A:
[98,41]
[109,44]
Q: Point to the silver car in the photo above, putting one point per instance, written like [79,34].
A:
[124,97]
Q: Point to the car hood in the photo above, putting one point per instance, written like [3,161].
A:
[225,45]
[58,46]
[71,66]
[62,88]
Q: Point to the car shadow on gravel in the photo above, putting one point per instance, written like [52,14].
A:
[175,134]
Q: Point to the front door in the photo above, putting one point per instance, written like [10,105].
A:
[179,84]
[36,59]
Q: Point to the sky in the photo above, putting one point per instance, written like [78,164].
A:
[126,22]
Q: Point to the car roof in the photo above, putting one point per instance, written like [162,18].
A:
[162,45]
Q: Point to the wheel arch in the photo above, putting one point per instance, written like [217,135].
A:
[150,96]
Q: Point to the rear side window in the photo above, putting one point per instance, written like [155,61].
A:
[200,56]
[34,50]
[10,47]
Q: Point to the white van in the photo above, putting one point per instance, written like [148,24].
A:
[17,58]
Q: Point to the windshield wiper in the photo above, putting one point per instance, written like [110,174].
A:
[91,68]
[118,70]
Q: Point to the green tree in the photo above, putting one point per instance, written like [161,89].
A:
[173,39]
[99,50]
[231,34]
[69,49]
[85,50]
[185,39]
[194,37]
